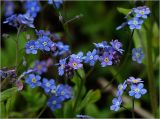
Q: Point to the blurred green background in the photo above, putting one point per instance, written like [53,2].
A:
[99,22]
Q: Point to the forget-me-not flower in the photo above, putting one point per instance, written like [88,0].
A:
[91,57]
[33,80]
[137,90]
[137,55]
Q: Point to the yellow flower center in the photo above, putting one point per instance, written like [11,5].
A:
[62,66]
[120,87]
[135,81]
[137,55]
[44,43]
[141,12]
[91,57]
[135,22]
[31,47]
[39,66]
[33,80]
[74,64]
[62,93]
[106,59]
[47,84]
[137,90]
[53,91]
[54,102]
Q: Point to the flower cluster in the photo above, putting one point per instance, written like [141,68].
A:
[19,20]
[138,15]
[136,91]
[58,93]
[45,43]
[105,53]
[32,7]
[137,55]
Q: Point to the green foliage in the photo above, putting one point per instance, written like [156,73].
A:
[35,99]
[8,54]
[7,100]
[91,97]
[2,110]
[123,10]
[8,93]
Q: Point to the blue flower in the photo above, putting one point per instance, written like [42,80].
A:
[91,57]
[64,91]
[40,67]
[116,104]
[103,44]
[75,63]
[21,19]
[135,23]
[31,47]
[106,59]
[41,33]
[79,116]
[137,91]
[9,8]
[57,3]
[44,43]
[25,19]
[54,103]
[133,80]
[121,88]
[117,45]
[33,80]
[61,49]
[50,1]
[142,12]
[61,67]
[12,20]
[32,8]
[137,55]
[79,56]
[48,85]
[121,26]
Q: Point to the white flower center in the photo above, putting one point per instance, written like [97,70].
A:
[91,57]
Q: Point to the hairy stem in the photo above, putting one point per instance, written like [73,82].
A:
[17,47]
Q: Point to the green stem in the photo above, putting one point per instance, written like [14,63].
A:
[78,94]
[150,72]
[17,47]
[133,115]
[41,112]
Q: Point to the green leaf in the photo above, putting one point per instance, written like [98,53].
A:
[2,110]
[92,110]
[123,10]
[91,97]
[68,109]
[8,93]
